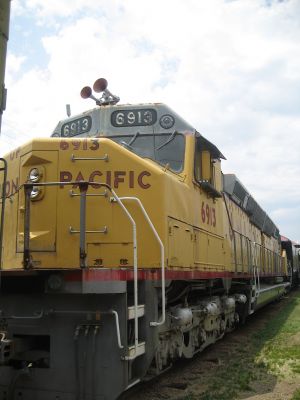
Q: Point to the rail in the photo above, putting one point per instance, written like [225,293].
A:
[105,158]
[135,270]
[256,280]
[232,231]
[3,197]
[243,251]
[251,254]
[267,259]
[51,312]
[83,187]
[162,253]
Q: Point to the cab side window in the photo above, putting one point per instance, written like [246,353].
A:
[204,166]
[206,155]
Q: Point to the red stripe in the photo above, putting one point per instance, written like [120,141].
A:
[127,275]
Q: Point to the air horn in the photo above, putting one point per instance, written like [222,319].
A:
[99,86]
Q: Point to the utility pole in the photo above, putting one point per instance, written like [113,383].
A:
[4,31]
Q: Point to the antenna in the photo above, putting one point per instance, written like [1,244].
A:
[68,110]
[99,86]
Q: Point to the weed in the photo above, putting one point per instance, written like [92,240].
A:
[279,341]
[296,395]
[274,350]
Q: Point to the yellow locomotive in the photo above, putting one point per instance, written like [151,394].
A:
[123,247]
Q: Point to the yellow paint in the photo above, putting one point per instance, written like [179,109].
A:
[193,225]
[206,165]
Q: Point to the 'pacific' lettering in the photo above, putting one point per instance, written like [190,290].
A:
[114,179]
[140,180]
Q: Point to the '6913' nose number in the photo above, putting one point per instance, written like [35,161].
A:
[134,117]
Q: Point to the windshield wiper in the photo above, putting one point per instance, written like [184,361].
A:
[131,141]
[168,141]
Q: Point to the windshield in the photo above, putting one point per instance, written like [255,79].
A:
[165,149]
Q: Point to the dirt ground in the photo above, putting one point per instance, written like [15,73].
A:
[192,379]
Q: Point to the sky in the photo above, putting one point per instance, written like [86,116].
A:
[230,68]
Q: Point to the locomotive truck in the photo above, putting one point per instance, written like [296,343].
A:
[123,248]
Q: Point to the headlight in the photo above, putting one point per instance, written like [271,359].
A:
[36,191]
[34,175]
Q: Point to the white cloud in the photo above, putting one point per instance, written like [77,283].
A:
[232,69]
[13,66]
[58,8]
[18,7]
[289,217]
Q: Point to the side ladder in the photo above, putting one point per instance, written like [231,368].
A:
[255,290]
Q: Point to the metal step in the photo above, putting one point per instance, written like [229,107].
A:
[253,299]
[141,349]
[140,311]
[255,291]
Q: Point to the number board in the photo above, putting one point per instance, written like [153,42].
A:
[136,117]
[76,127]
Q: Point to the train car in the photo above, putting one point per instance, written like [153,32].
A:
[123,248]
[292,250]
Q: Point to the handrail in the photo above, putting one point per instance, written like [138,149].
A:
[232,230]
[256,278]
[253,245]
[162,251]
[116,315]
[135,269]
[83,185]
[256,258]
[105,158]
[3,196]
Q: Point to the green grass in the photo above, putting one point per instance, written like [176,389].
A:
[296,395]
[280,341]
[272,352]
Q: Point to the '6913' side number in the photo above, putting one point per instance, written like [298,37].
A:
[208,214]
[76,127]
[92,144]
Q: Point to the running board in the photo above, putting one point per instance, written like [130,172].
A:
[268,294]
